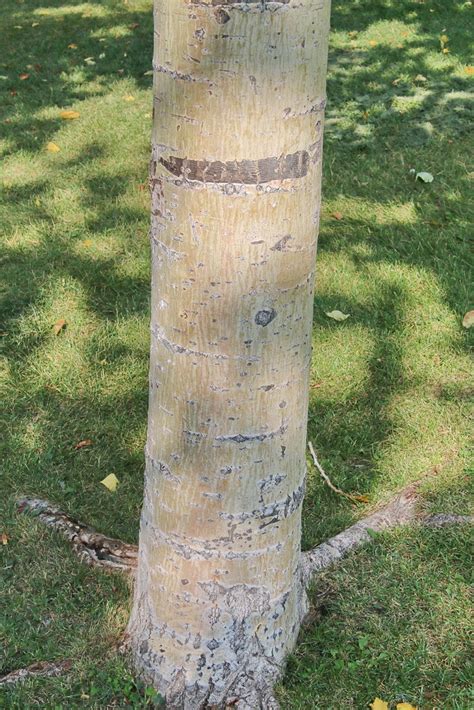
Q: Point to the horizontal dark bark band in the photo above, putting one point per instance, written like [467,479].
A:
[248,172]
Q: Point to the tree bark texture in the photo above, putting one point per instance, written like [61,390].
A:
[239,95]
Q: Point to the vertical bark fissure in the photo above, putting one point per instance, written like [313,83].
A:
[235,189]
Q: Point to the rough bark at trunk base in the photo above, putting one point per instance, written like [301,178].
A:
[254,687]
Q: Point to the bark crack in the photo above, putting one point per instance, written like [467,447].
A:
[158,333]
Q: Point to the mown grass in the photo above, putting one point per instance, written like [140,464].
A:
[390,386]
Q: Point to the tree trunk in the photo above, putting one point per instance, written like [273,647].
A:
[235,181]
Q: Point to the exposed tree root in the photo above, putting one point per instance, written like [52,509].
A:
[92,547]
[43,668]
[112,554]
[253,691]
[441,519]
[400,510]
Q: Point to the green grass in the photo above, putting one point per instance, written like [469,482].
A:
[390,385]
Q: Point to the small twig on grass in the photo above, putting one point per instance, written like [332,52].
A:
[351,496]
[43,669]
[92,547]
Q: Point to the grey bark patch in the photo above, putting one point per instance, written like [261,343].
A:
[240,599]
[265,316]
[281,243]
[277,511]
[221,16]
[179,75]
[161,469]
[247,172]
[242,438]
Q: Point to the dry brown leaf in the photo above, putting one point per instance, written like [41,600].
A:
[468,320]
[72,46]
[469,70]
[24,77]
[69,115]
[4,538]
[59,326]
[358,498]
[337,215]
[83,443]
[52,147]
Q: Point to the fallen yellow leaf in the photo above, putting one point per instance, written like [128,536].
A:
[59,326]
[337,215]
[468,320]
[72,46]
[445,50]
[379,704]
[372,42]
[52,147]
[469,70]
[87,242]
[69,115]
[110,482]
[405,706]
[129,98]
[4,538]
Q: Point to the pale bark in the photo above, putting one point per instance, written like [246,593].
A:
[235,180]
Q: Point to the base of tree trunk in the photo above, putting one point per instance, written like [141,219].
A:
[251,687]
[248,682]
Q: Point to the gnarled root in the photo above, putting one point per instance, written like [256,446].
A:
[92,547]
[42,669]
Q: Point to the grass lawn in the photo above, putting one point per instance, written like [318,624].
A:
[390,385]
